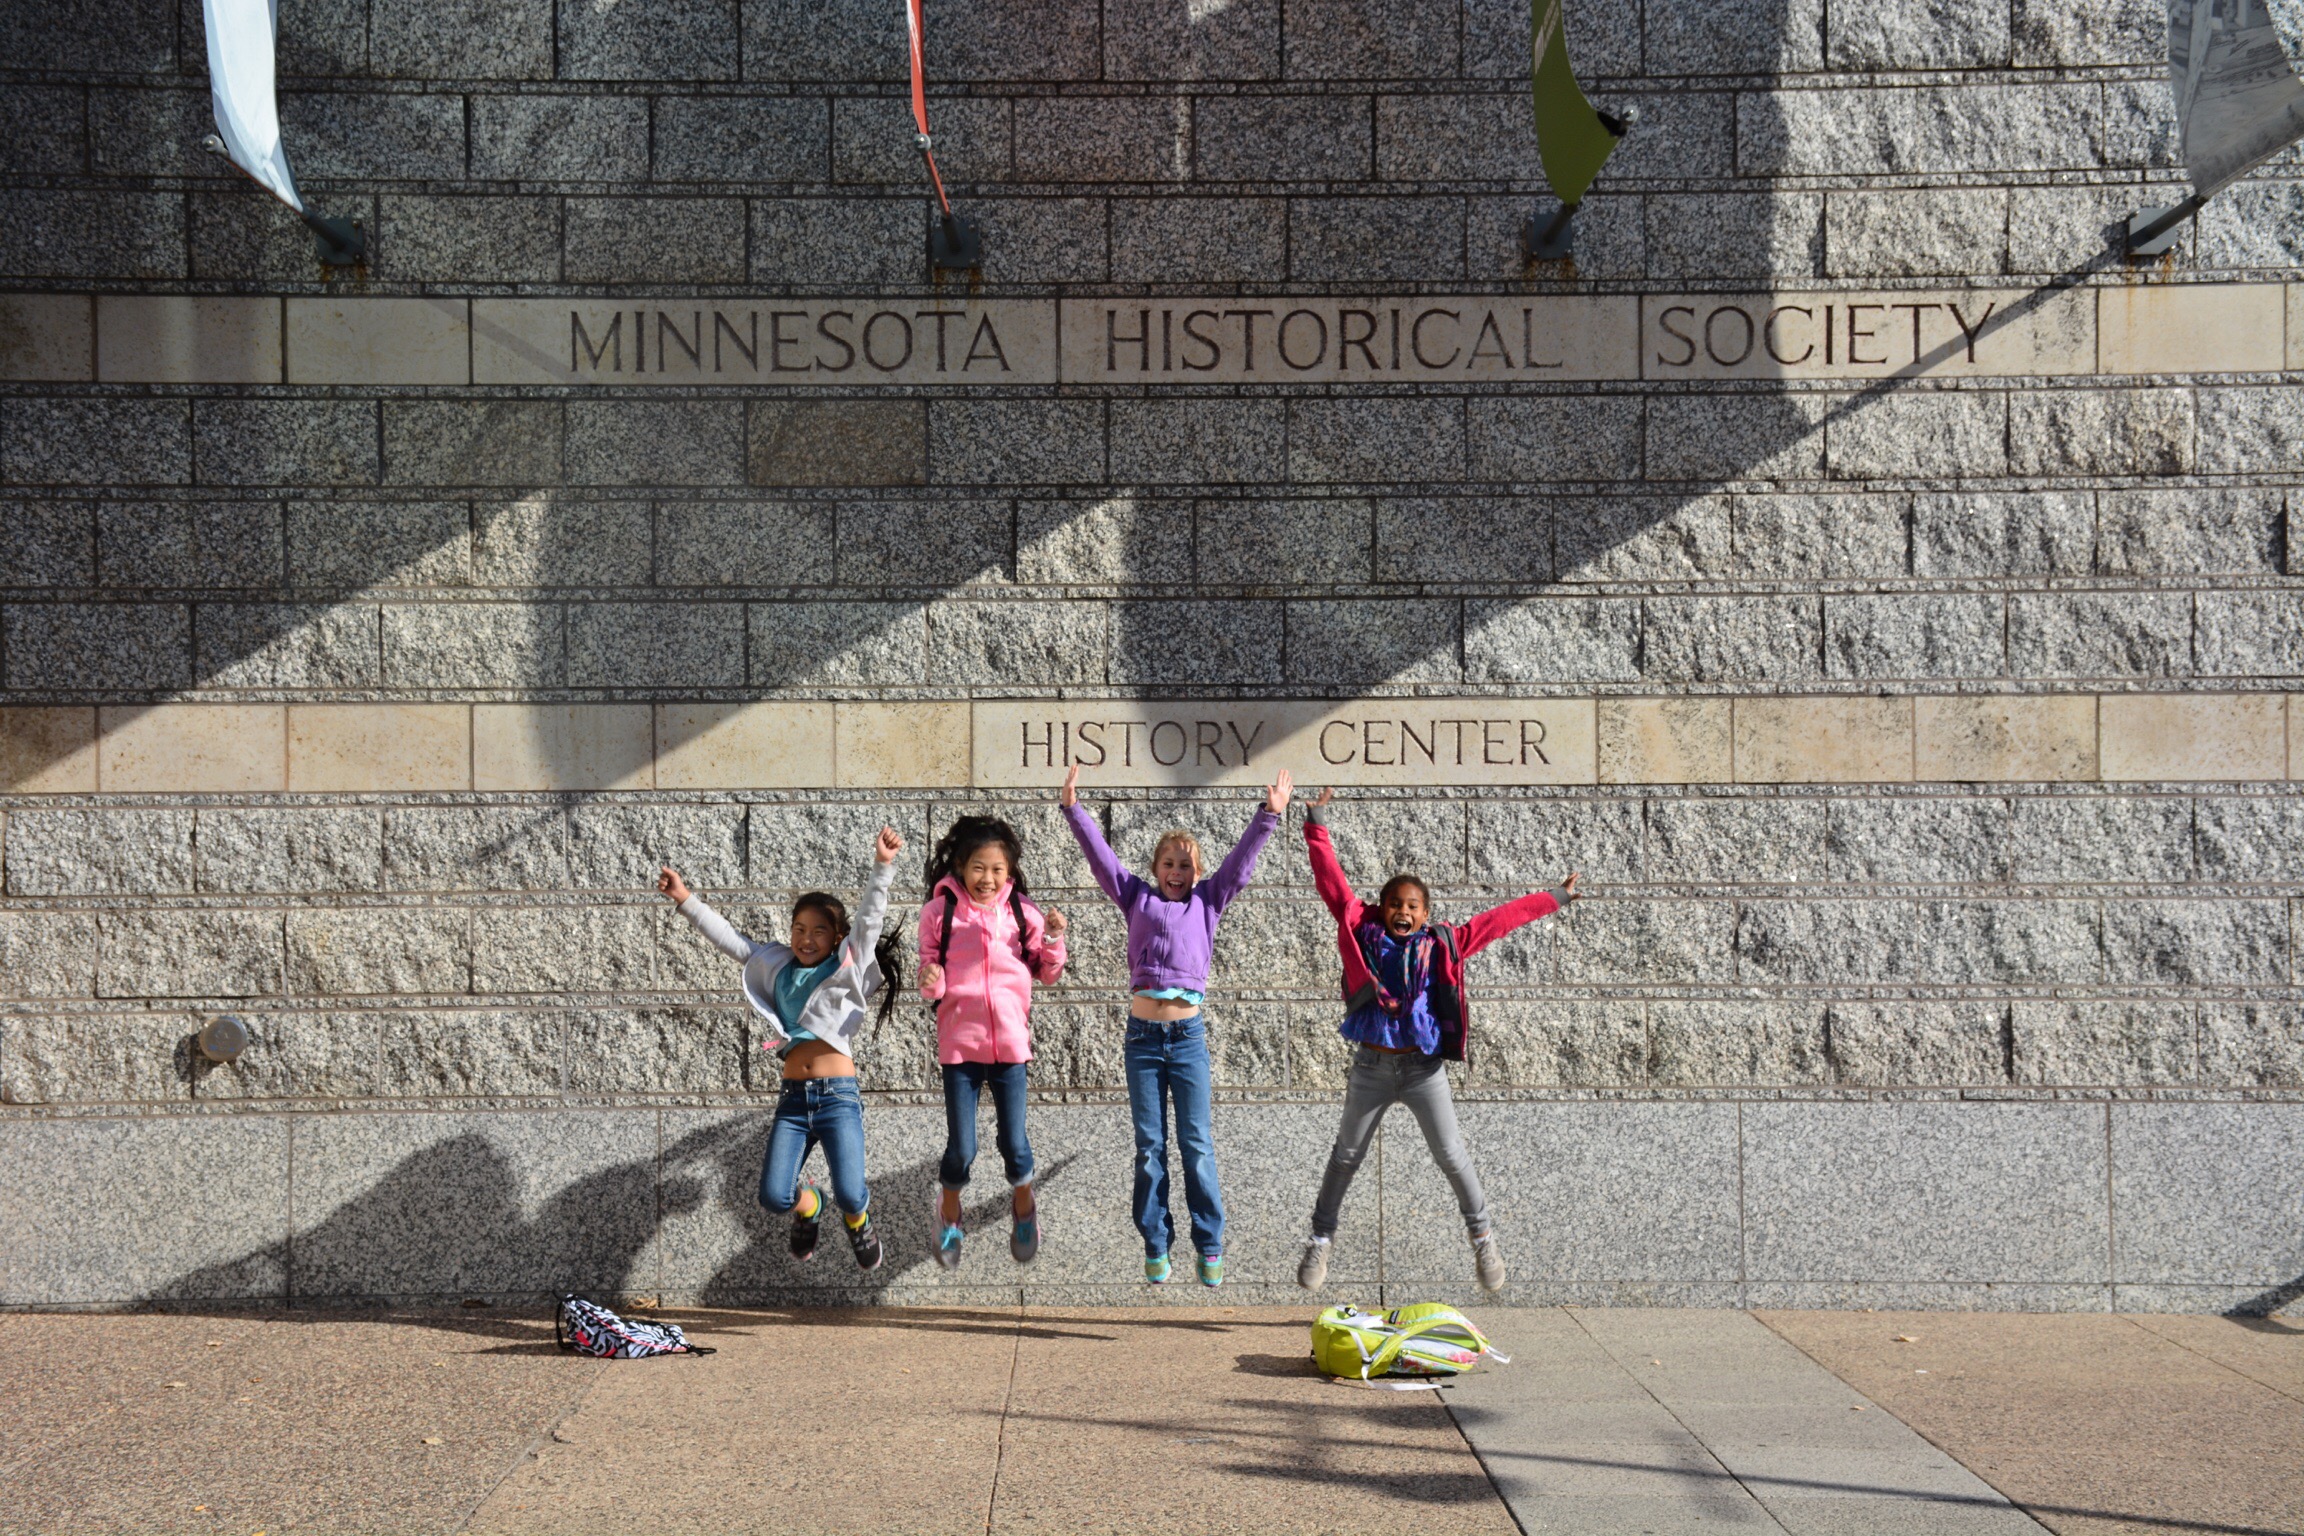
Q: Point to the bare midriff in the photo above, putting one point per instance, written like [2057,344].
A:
[816,1058]
[1161,1010]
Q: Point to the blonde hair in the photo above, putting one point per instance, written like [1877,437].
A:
[1177,837]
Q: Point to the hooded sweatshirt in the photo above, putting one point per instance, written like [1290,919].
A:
[835,1010]
[1170,943]
[984,1006]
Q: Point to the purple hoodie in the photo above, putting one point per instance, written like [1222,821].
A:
[1170,942]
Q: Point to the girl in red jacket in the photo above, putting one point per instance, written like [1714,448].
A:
[982,945]
[1404,1008]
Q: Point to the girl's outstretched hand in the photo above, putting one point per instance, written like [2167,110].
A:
[1569,884]
[1071,795]
[931,978]
[669,882]
[1277,792]
[1326,795]
[887,846]
[1057,923]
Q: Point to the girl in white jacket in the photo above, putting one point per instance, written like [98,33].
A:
[813,993]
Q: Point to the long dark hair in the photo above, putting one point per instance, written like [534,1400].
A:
[963,838]
[888,954]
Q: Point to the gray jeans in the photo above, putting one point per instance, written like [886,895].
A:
[1379,1080]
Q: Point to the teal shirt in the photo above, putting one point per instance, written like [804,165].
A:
[797,983]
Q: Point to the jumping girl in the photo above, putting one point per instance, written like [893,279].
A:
[1403,1007]
[982,945]
[1171,936]
[812,992]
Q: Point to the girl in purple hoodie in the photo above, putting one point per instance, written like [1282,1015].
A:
[1171,936]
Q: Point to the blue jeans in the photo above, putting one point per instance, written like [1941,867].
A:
[826,1110]
[1170,1061]
[963,1082]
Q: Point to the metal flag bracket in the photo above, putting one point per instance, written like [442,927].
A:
[955,244]
[1552,237]
[2155,231]
[336,242]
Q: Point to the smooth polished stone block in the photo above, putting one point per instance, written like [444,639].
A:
[47,336]
[379,747]
[744,746]
[194,748]
[187,339]
[1665,741]
[900,746]
[561,746]
[1976,333]
[379,341]
[2207,1193]
[1823,741]
[2193,328]
[2197,737]
[2013,738]
[48,751]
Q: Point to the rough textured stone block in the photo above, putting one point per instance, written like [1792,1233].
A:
[2252,1045]
[659,240]
[1723,639]
[1280,943]
[620,847]
[2104,1044]
[96,442]
[289,850]
[2090,634]
[1954,232]
[2256,226]
[1280,543]
[543,540]
[838,241]
[2192,532]
[1922,34]
[562,746]
[838,442]
[2102,837]
[1825,941]
[459,238]
[1742,37]
[1737,841]
[188,954]
[360,134]
[821,644]
[655,442]
[489,848]
[296,1055]
[1034,239]
[782,138]
[1017,644]
[473,442]
[1650,943]
[286,442]
[663,1050]
[242,234]
[1032,441]
[2255,838]
[379,544]
[1941,433]
[1359,239]
[434,1055]
[1371,644]
[736,543]
[1933,840]
[1780,537]
[942,544]
[464,38]
[1574,1045]
[212,748]
[1463,539]
[2245,430]
[1665,741]
[641,645]
[2249,634]
[1171,642]
[58,234]
[378,950]
[871,140]
[87,1058]
[1201,441]
[1377,839]
[1102,138]
[1176,40]
[48,751]
[2003,533]
[1547,440]
[282,645]
[1728,1042]
[2197,942]
[1375,439]
[1736,437]
[2205,737]
[1906,130]
[798,847]
[2206,1193]
[473,645]
[686,40]
[1116,539]
[1533,844]
[48,954]
[560,138]
[1930,1044]
[1398,39]
[1640,539]
[2101,432]
[1744,235]
[142,646]
[2126,32]
[99,853]
[1552,640]
[563,949]
[1939,635]
[1282,138]
[1199,239]
[196,544]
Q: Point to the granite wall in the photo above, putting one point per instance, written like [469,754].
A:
[1937,778]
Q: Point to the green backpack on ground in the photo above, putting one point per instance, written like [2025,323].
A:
[1424,1340]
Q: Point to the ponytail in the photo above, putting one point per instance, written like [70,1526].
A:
[888,954]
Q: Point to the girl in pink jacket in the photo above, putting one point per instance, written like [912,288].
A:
[982,945]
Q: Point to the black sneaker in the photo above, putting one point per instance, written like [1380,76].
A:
[806,1229]
[866,1243]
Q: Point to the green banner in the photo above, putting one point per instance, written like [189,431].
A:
[1571,139]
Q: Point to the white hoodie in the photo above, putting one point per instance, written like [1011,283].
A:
[835,1010]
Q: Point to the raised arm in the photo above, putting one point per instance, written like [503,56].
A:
[1480,932]
[708,922]
[1239,866]
[872,912]
[1103,863]
[1327,874]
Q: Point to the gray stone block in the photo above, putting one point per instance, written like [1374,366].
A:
[684,40]
[2120,1043]
[801,847]
[665,1050]
[687,646]
[1743,37]
[137,36]
[1544,440]
[1611,238]
[1282,138]
[1177,40]
[464,239]
[2252,1045]
[795,645]
[543,540]
[2003,533]
[113,443]
[1781,537]
[1463,539]
[296,1056]
[655,442]
[48,543]
[2101,432]
[240,234]
[1736,437]
[1928,840]
[806,40]
[140,131]
[1199,239]
[1199,441]
[1924,1192]
[2140,126]
[99,853]
[2260,224]
[97,1058]
[464,39]
[473,442]
[1602,41]
[188,954]
[1372,644]
[1366,239]
[469,1053]
[560,138]
[654,240]
[2125,32]
[769,138]
[1492,136]
[1731,639]
[1737,841]
[1129,539]
[1377,839]
[1102,138]
[1935,1045]
[2190,532]
[1282,543]
[361,135]
[1552,640]
[141,646]
[375,950]
[2197,942]
[1905,130]
[379,544]
[872,141]
[908,543]
[1390,40]
[274,851]
[97,1216]
[58,234]
[1040,442]
[1171,642]
[1375,439]
[1922,34]
[2249,839]
[48,954]
[1532,844]
[2099,634]
[2058,229]
[481,848]
[2207,1193]
[1274,942]
[2015,941]
[1650,943]
[1944,433]
[1641,538]
[838,241]
[286,442]
[1546,1044]
[1318,1057]
[838,442]
[1733,1043]
[1074,1047]
[1735,235]
[2146,840]
[563,949]
[1030,644]
[474,645]
[620,846]
[1952,634]
[1040,239]
[2244,430]
[736,543]
[1828,941]
[189,544]
[1248,1044]
[287,645]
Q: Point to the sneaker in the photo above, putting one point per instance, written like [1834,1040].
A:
[1156,1269]
[806,1229]
[1211,1269]
[1488,1262]
[865,1243]
[1312,1269]
[1024,1238]
[948,1236]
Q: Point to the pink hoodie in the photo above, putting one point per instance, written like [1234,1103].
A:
[984,1008]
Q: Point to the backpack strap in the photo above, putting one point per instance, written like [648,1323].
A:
[1023,950]
[944,930]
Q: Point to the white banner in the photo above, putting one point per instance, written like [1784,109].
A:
[2238,100]
[241,39]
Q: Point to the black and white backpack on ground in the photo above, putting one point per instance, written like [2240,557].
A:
[591,1329]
